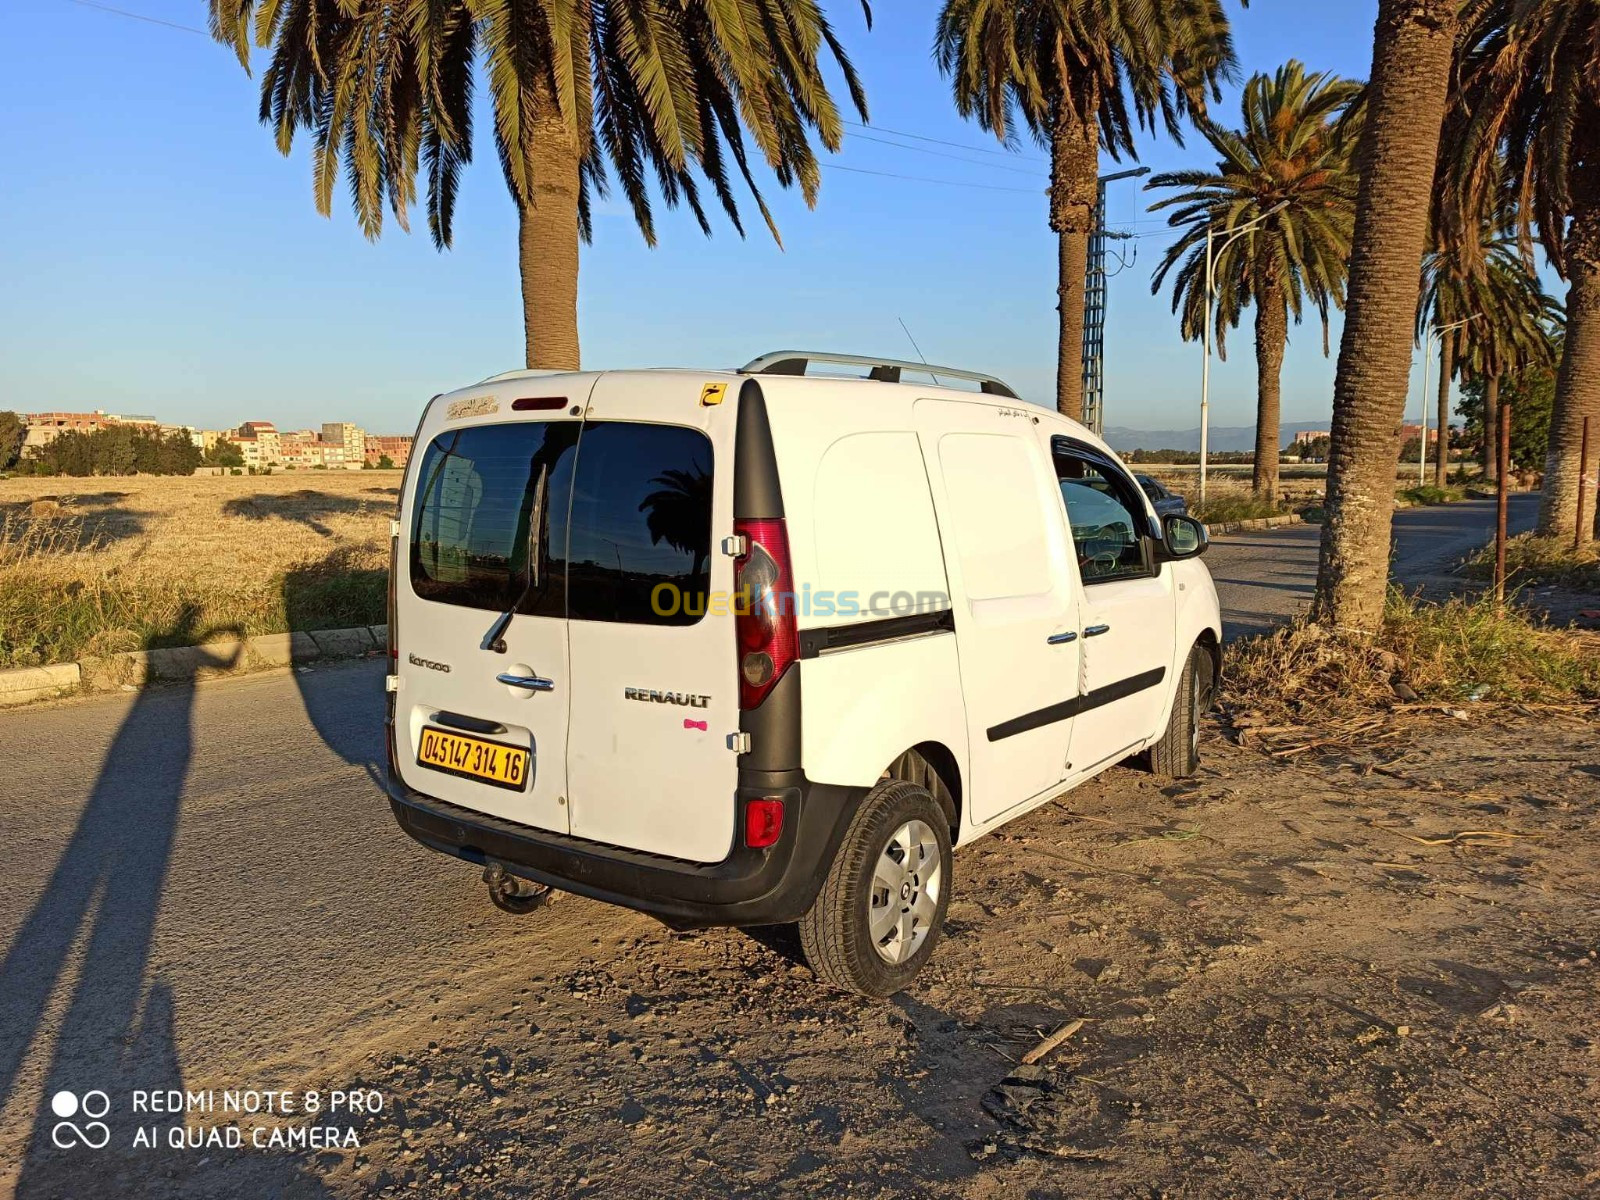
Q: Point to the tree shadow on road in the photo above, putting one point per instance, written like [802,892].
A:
[90,933]
[344,704]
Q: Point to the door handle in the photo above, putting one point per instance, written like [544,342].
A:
[1096,630]
[534,683]
[1061,639]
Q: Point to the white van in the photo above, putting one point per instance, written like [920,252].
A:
[754,647]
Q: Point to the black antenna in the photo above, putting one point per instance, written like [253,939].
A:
[916,347]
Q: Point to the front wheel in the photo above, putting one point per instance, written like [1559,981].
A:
[881,909]
[1177,754]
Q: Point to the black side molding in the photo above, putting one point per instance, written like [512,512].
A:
[1068,709]
[870,633]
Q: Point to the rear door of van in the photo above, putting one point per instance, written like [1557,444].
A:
[483,532]
[654,690]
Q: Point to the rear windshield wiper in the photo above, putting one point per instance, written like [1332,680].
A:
[495,639]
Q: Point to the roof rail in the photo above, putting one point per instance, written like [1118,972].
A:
[884,370]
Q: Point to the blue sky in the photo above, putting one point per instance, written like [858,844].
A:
[160,256]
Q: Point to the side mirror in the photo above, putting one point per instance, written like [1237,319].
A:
[1183,537]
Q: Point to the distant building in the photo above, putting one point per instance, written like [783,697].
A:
[397,449]
[250,450]
[350,438]
[1407,432]
[264,436]
[44,428]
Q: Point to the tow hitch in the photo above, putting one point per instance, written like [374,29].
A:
[512,894]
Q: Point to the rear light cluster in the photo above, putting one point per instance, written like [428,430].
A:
[765,624]
[763,822]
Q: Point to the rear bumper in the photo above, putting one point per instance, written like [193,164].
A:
[749,887]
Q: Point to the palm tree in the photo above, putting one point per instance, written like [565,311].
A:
[1080,75]
[1488,305]
[1531,89]
[1519,332]
[661,93]
[676,513]
[1293,160]
[1413,44]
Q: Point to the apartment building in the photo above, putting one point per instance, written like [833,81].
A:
[268,444]
[351,439]
[397,449]
[43,428]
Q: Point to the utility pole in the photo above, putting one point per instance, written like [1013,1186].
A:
[1094,308]
[1502,499]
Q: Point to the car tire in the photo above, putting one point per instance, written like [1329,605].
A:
[882,906]
[1177,754]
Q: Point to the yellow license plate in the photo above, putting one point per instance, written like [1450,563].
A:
[474,758]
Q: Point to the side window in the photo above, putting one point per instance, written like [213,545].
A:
[1107,519]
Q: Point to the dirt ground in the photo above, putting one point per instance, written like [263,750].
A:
[1290,987]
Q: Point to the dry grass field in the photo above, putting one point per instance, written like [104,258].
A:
[94,566]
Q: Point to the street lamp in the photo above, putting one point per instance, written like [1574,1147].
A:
[1205,369]
[1427,358]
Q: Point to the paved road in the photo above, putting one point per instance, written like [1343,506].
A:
[1263,578]
[204,887]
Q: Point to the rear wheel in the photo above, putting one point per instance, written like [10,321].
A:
[1177,754]
[881,909]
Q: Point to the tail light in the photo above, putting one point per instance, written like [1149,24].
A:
[763,822]
[765,624]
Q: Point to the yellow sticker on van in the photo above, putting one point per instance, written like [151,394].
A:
[712,393]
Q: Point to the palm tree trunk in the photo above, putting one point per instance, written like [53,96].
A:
[547,236]
[1411,56]
[1447,366]
[1074,176]
[1577,384]
[1272,335]
[1491,427]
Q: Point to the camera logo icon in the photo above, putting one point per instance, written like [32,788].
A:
[92,1132]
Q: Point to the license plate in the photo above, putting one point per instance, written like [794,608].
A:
[474,758]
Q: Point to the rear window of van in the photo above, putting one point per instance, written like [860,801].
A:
[596,522]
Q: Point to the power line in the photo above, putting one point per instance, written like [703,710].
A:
[133,16]
[988,187]
[941,142]
[866,137]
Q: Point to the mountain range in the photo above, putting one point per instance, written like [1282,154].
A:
[1223,437]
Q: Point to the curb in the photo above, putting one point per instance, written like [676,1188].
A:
[210,660]
[1255,523]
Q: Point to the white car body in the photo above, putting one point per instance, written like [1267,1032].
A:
[983,639]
